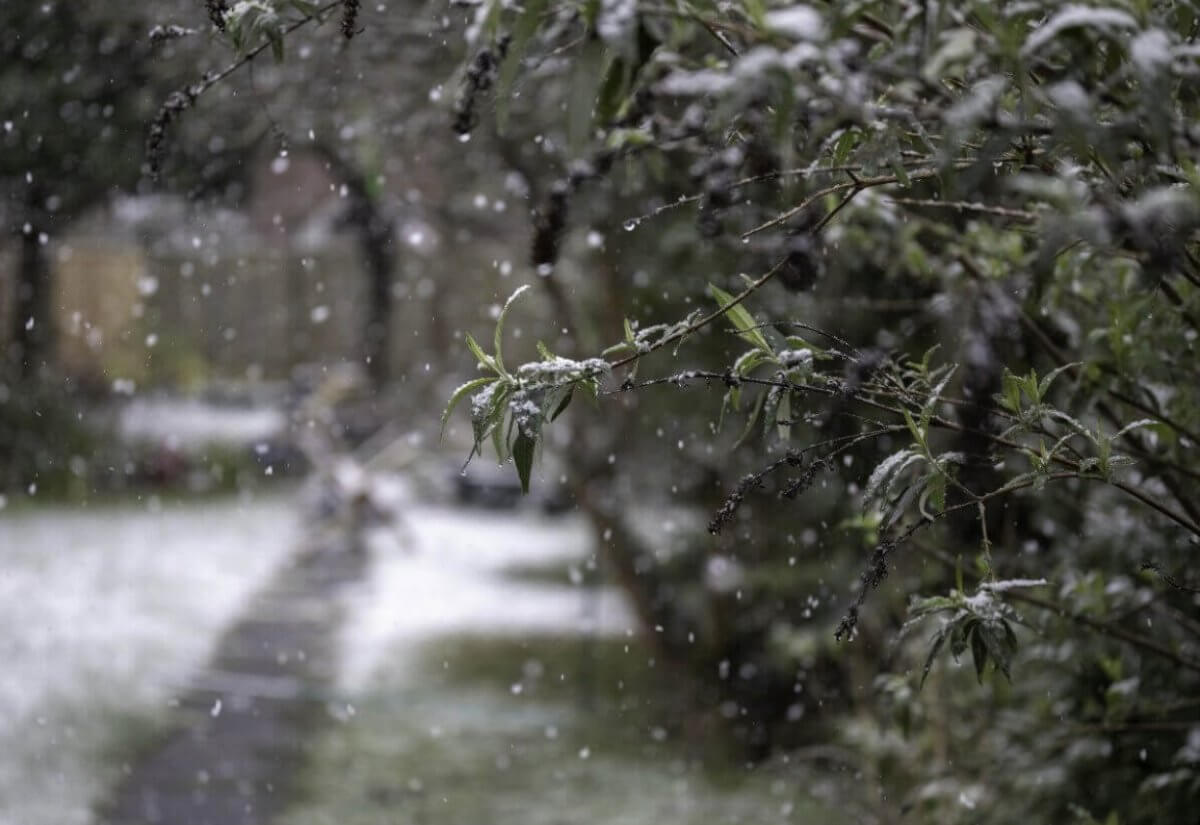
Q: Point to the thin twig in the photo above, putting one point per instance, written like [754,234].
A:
[799,172]
[706,320]
[856,183]
[211,80]
[717,34]
[1175,583]
[1135,639]
[1021,215]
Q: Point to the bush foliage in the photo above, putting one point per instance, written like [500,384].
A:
[933,266]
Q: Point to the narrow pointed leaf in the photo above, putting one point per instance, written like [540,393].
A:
[979,652]
[562,405]
[481,356]
[462,392]
[938,641]
[522,451]
[741,319]
[522,34]
[499,334]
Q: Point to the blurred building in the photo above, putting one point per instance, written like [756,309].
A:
[152,289]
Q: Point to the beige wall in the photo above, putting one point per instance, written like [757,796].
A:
[120,313]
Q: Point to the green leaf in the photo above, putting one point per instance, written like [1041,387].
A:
[522,452]
[276,38]
[491,21]
[562,405]
[931,402]
[1135,425]
[499,443]
[757,12]
[917,433]
[1029,386]
[612,90]
[1045,383]
[895,507]
[938,641]
[753,417]
[879,485]
[740,318]
[1011,399]
[618,349]
[1010,638]
[770,410]
[1073,424]
[841,149]
[922,607]
[486,420]
[522,34]
[459,394]
[586,77]
[933,497]
[959,632]
[749,361]
[979,651]
[996,647]
[499,334]
[482,357]
[591,11]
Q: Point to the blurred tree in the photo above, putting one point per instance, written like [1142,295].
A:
[76,89]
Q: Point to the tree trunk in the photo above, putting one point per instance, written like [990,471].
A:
[31,308]
[377,242]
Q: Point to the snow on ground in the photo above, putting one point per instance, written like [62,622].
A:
[102,613]
[106,613]
[450,579]
[189,423]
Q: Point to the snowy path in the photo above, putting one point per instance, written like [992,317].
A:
[316,632]
[103,613]
[242,727]
[454,581]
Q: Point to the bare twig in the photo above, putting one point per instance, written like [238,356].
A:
[1020,215]
[181,100]
[706,320]
[1173,582]
[1104,628]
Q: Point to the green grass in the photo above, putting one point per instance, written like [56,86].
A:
[559,572]
[536,731]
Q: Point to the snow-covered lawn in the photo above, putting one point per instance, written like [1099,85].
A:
[463,696]
[102,613]
[188,424]
[449,576]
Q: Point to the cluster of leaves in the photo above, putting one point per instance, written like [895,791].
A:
[249,23]
[1034,155]
[1014,181]
[980,622]
[510,408]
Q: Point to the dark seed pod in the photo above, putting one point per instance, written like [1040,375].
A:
[216,12]
[176,104]
[479,77]
[549,224]
[732,502]
[349,18]
[802,265]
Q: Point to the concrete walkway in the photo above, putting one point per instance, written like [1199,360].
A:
[240,730]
